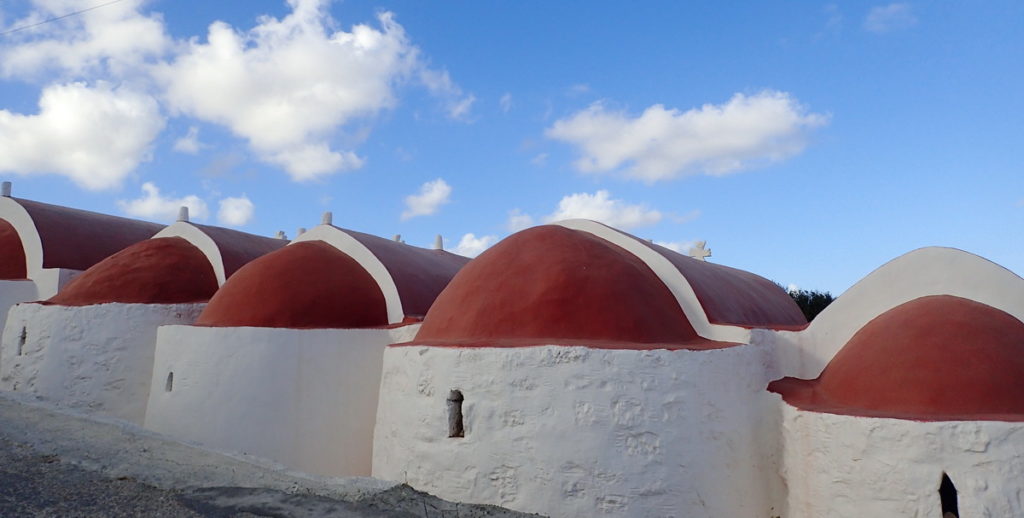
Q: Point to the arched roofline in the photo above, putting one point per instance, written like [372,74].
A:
[669,275]
[200,240]
[31,242]
[919,273]
[348,245]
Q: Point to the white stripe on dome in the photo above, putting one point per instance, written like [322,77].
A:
[351,247]
[31,243]
[919,273]
[200,240]
[669,275]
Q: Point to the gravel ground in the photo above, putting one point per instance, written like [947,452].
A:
[55,463]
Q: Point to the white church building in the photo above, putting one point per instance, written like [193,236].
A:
[573,370]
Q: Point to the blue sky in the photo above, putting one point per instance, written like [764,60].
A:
[807,142]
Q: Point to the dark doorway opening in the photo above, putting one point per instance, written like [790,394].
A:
[947,495]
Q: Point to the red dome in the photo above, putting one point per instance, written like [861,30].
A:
[309,284]
[155,271]
[553,285]
[933,358]
[735,297]
[12,253]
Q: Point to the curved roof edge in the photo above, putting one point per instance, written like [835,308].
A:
[934,358]
[918,273]
[410,277]
[62,237]
[673,278]
[341,240]
[226,249]
[15,214]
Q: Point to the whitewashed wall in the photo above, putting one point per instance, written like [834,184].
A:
[306,398]
[15,292]
[97,359]
[845,466]
[574,431]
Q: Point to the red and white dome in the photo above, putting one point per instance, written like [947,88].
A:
[938,357]
[554,285]
[305,285]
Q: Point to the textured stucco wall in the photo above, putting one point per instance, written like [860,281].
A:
[15,292]
[846,466]
[574,431]
[306,398]
[97,359]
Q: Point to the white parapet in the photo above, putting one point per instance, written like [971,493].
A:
[97,359]
[849,466]
[306,398]
[575,431]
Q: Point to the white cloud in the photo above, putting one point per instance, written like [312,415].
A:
[439,83]
[682,247]
[792,287]
[505,102]
[95,136]
[153,205]
[686,218]
[292,87]
[235,211]
[472,246]
[115,39]
[540,160]
[662,143]
[459,110]
[288,85]
[517,220]
[432,195]
[601,207]
[190,143]
[886,18]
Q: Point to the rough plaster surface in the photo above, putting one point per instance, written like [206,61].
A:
[574,431]
[97,358]
[847,466]
[102,449]
[306,398]
[15,292]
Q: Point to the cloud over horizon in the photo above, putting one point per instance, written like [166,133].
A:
[156,206]
[663,144]
[235,211]
[601,207]
[432,195]
[472,246]
[94,135]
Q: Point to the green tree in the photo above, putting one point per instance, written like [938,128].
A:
[811,302]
